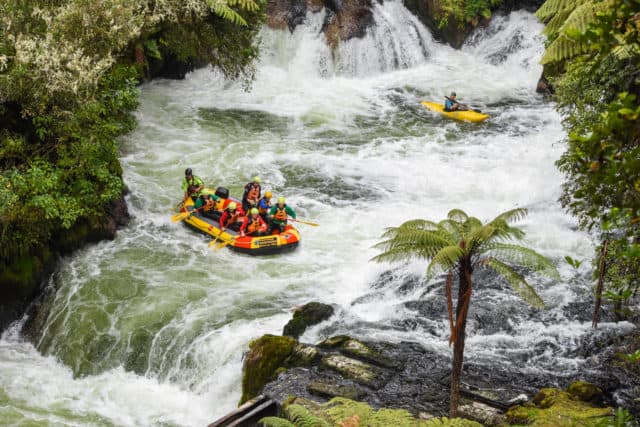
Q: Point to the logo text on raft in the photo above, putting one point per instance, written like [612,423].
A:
[272,241]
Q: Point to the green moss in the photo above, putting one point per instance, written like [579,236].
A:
[552,407]
[266,354]
[585,391]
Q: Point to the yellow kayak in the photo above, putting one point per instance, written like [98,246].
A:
[468,115]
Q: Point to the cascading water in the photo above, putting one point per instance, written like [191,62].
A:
[149,329]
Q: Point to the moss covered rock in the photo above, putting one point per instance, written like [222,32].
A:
[585,391]
[265,356]
[552,407]
[308,315]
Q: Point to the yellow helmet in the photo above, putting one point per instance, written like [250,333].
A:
[232,206]
[281,200]
[256,179]
[268,194]
[254,211]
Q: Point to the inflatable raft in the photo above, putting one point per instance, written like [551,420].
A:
[208,223]
[467,115]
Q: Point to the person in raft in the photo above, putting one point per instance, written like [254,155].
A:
[191,185]
[264,205]
[230,216]
[251,194]
[206,201]
[253,224]
[452,105]
[278,216]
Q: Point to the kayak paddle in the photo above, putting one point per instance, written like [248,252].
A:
[464,105]
[313,224]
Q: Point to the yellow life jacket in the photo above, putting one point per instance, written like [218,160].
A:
[220,204]
[253,225]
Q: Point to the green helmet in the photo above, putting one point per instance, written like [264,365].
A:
[254,211]
[232,206]
[256,179]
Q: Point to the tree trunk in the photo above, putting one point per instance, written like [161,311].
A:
[462,308]
[596,310]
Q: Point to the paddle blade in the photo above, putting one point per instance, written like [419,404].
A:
[180,216]
[313,224]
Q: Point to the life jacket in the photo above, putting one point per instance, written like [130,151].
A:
[253,192]
[220,204]
[281,213]
[209,204]
[231,216]
[264,210]
[253,225]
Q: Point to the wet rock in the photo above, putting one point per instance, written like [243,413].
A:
[261,363]
[357,349]
[454,33]
[303,355]
[484,414]
[283,14]
[585,391]
[544,87]
[328,389]
[356,370]
[308,315]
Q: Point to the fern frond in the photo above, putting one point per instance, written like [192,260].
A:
[250,5]
[581,17]
[446,259]
[563,48]
[275,422]
[511,215]
[411,244]
[301,417]
[525,257]
[551,7]
[625,51]
[223,10]
[517,282]
[457,215]
[555,23]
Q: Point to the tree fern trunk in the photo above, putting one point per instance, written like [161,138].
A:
[462,308]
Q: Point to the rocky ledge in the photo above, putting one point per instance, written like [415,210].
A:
[410,377]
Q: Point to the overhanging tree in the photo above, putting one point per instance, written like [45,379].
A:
[457,246]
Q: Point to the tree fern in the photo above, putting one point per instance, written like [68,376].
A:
[555,23]
[551,7]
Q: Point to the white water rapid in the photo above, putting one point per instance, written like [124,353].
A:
[149,329]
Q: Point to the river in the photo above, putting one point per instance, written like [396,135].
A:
[149,329]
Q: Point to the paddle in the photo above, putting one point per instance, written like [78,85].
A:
[313,224]
[184,215]
[463,105]
[223,244]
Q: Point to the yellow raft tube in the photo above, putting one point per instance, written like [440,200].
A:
[466,115]
[209,223]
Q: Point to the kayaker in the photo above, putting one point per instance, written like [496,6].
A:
[264,205]
[251,194]
[451,104]
[191,185]
[253,224]
[230,216]
[278,215]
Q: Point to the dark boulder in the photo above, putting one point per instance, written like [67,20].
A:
[308,315]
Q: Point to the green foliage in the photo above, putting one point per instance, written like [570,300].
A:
[275,422]
[573,262]
[67,90]
[463,12]
[598,96]
[301,417]
[621,418]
